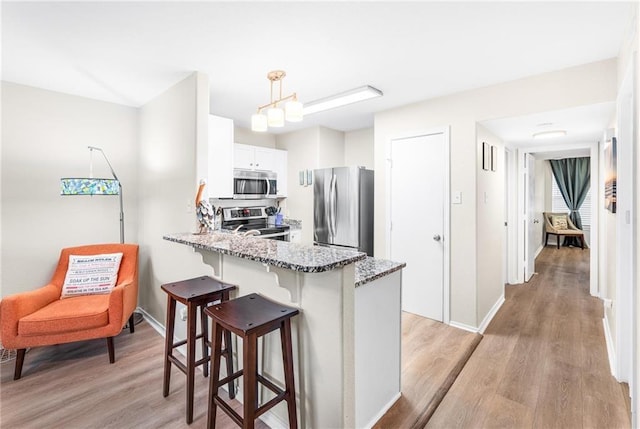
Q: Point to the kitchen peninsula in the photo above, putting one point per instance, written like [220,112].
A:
[347,336]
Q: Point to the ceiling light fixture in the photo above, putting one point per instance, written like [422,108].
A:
[348,97]
[276,116]
[549,134]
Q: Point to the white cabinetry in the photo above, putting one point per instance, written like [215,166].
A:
[281,169]
[254,157]
[250,157]
[295,235]
[220,157]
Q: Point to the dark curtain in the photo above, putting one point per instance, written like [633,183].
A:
[573,176]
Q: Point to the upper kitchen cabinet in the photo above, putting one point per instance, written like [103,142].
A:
[249,157]
[254,158]
[220,156]
[281,170]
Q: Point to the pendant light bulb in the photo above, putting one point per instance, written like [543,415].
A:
[259,122]
[275,117]
[293,111]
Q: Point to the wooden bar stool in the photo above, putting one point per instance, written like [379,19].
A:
[251,317]
[194,293]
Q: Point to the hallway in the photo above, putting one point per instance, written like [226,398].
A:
[543,359]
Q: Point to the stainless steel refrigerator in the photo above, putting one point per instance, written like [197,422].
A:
[343,208]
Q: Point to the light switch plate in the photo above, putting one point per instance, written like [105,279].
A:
[457,197]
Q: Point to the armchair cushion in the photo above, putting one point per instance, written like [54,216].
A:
[559,222]
[91,274]
[67,315]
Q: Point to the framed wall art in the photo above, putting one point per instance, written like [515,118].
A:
[611,175]
[486,156]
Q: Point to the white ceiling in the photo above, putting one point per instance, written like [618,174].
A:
[128,53]
[583,125]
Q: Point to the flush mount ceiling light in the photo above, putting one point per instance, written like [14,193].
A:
[549,134]
[348,97]
[276,116]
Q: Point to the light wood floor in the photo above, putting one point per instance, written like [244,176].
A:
[73,386]
[543,359]
[432,356]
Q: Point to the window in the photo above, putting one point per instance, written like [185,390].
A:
[558,204]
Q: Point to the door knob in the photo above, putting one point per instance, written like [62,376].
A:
[437,237]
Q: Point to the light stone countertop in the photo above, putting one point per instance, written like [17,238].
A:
[370,269]
[293,256]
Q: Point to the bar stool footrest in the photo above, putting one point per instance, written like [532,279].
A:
[182,367]
[270,404]
[268,384]
[230,411]
[229,378]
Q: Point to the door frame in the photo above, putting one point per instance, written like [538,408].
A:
[446,260]
[596,191]
[525,223]
[511,216]
[626,223]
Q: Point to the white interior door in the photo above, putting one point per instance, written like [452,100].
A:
[505,238]
[418,178]
[530,242]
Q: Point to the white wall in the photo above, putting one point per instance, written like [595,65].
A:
[576,86]
[542,192]
[301,147]
[490,231]
[170,126]
[45,136]
[308,149]
[358,148]
[245,136]
[330,148]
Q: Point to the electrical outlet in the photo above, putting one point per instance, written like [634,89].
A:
[183,314]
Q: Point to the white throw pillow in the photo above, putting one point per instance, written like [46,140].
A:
[559,222]
[91,274]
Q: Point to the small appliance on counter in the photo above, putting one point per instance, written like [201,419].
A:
[254,221]
[343,208]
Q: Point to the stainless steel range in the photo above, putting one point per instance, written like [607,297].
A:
[253,221]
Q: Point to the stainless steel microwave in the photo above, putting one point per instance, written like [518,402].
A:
[249,184]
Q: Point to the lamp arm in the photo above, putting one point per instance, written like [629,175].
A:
[113,173]
[273,103]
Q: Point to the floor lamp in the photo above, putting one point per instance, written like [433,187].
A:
[97,186]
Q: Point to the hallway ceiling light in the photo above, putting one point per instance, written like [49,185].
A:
[348,97]
[276,116]
[549,134]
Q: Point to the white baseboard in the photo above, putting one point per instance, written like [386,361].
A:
[611,352]
[161,329]
[153,322]
[273,421]
[539,250]
[487,319]
[485,322]
[383,411]
[463,326]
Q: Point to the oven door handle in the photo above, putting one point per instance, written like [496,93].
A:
[277,234]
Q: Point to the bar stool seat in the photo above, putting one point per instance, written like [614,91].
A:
[249,317]
[194,293]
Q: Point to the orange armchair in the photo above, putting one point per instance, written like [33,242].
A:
[41,318]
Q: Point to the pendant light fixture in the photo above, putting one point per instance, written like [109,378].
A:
[276,115]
